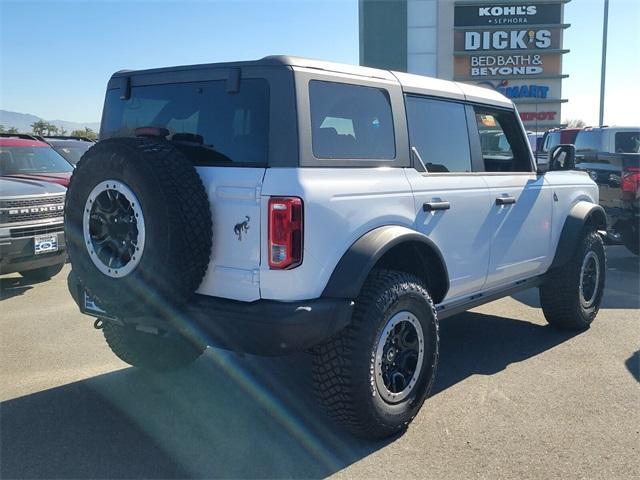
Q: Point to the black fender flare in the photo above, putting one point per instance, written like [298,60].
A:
[580,215]
[352,270]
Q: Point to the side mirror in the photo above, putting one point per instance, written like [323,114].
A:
[562,157]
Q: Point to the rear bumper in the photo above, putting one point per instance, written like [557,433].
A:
[17,255]
[263,327]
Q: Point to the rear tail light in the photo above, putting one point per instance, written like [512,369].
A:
[630,182]
[285,232]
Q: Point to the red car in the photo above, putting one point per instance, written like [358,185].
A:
[24,156]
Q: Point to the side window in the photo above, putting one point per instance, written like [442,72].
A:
[627,142]
[502,143]
[351,122]
[438,130]
[588,141]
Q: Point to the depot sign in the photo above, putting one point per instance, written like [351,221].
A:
[537,116]
[508,15]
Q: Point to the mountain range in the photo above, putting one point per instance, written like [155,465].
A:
[23,121]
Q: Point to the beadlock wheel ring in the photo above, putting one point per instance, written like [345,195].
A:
[589,279]
[398,357]
[113,228]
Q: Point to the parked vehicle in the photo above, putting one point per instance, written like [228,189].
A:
[535,140]
[552,138]
[31,228]
[611,155]
[288,204]
[71,148]
[26,156]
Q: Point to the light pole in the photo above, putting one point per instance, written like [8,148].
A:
[603,69]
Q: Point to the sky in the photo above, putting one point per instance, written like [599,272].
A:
[56,56]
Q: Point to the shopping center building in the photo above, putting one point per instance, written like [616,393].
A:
[512,47]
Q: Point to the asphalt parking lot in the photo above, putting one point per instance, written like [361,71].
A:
[513,399]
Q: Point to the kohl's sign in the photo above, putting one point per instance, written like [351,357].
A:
[511,14]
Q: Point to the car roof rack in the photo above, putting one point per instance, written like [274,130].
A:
[24,136]
[68,137]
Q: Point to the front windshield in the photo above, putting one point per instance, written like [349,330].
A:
[25,160]
[74,152]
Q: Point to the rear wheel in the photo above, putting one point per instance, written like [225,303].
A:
[43,273]
[374,375]
[571,295]
[149,351]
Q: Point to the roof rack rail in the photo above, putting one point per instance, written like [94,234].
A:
[24,136]
[67,137]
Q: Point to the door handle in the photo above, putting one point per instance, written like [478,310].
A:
[432,206]
[505,200]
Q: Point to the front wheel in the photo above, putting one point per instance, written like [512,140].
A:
[571,295]
[373,376]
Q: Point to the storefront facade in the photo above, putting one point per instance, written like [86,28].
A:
[512,47]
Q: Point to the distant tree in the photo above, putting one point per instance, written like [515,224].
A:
[87,133]
[39,127]
[62,130]
[575,123]
[2,129]
[12,130]
[51,129]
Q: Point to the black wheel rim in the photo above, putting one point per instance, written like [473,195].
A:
[399,356]
[113,228]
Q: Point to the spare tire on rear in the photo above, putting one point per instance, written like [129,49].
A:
[138,225]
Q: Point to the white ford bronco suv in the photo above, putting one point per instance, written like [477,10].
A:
[287,204]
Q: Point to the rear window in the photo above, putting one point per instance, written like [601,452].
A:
[21,160]
[351,122]
[213,125]
[628,142]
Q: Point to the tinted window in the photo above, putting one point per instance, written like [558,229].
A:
[628,142]
[438,130]
[18,160]
[350,121]
[553,139]
[72,151]
[217,126]
[588,140]
[502,142]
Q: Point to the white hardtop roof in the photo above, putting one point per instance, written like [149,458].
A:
[410,83]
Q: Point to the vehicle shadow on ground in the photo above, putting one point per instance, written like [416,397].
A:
[633,365]
[224,417]
[13,287]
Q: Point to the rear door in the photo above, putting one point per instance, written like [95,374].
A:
[452,204]
[521,201]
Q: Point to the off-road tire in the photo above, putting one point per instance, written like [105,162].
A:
[343,367]
[150,351]
[559,294]
[43,273]
[177,223]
